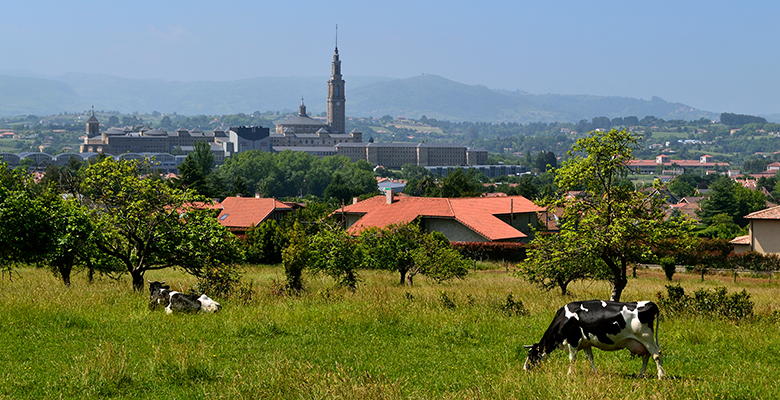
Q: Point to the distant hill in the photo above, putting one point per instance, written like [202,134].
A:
[429,95]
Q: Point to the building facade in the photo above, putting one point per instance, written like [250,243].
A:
[395,155]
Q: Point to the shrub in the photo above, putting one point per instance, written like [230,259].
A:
[754,261]
[295,257]
[512,307]
[446,301]
[714,303]
[264,243]
[219,282]
[494,251]
[669,266]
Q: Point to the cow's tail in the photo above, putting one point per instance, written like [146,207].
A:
[657,325]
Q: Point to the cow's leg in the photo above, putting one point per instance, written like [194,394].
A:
[645,359]
[589,354]
[655,351]
[572,358]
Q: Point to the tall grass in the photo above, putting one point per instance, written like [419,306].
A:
[384,341]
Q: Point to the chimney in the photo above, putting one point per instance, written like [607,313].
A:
[389,196]
[355,200]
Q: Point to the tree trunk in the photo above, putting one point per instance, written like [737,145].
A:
[138,280]
[633,271]
[564,288]
[90,274]
[410,280]
[619,281]
[403,277]
[64,271]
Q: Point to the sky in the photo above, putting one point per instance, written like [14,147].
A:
[714,55]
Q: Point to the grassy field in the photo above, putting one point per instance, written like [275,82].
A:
[384,341]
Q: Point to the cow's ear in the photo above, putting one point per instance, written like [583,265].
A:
[528,346]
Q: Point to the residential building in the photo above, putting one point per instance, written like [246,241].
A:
[664,163]
[241,214]
[763,234]
[472,219]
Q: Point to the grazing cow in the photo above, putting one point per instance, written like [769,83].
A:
[606,325]
[161,295]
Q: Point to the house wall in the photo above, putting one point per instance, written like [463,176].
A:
[452,229]
[765,236]
[741,248]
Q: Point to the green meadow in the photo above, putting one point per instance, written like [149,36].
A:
[384,341]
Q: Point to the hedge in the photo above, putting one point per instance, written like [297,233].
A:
[494,251]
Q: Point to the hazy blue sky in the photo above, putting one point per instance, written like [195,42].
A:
[715,55]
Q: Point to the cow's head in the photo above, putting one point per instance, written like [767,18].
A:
[208,305]
[156,286]
[156,294]
[535,355]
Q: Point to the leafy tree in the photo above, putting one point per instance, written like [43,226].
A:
[553,262]
[265,243]
[460,183]
[295,257]
[681,188]
[334,253]
[613,222]
[721,226]
[196,169]
[144,224]
[390,248]
[409,251]
[730,198]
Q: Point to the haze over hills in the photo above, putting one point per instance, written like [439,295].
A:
[429,95]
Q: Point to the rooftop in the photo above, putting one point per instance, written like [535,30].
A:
[247,212]
[769,213]
[476,213]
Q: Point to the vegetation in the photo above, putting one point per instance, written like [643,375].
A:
[613,224]
[381,342]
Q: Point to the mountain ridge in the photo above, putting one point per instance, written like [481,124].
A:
[428,94]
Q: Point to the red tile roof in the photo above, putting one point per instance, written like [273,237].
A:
[769,213]
[247,212]
[741,240]
[476,213]
[681,163]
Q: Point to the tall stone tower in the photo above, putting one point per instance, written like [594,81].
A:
[336,107]
[93,126]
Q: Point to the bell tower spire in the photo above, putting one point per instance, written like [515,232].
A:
[336,107]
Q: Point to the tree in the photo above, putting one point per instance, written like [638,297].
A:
[144,224]
[612,221]
[721,226]
[295,257]
[460,183]
[334,253]
[730,198]
[552,262]
[681,188]
[265,243]
[196,169]
[407,250]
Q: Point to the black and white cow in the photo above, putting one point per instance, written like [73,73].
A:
[606,325]
[161,295]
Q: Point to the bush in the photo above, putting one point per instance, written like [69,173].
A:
[493,251]
[753,261]
[669,266]
[219,282]
[446,301]
[512,307]
[264,243]
[714,303]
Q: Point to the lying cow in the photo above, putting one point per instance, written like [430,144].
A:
[161,295]
[606,325]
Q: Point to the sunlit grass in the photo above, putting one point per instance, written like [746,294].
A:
[384,341]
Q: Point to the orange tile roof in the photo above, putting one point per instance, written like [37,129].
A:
[476,213]
[741,240]
[681,163]
[769,213]
[247,212]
